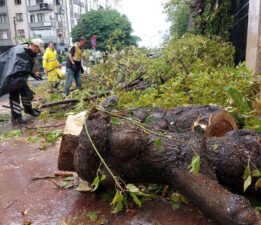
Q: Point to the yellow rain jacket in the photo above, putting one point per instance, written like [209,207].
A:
[50,64]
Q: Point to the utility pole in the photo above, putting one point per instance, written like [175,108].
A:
[14,18]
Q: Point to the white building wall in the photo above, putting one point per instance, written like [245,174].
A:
[16,23]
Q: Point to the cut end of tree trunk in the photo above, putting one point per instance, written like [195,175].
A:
[219,124]
[70,141]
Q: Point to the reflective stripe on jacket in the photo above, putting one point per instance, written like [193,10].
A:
[50,59]
[78,53]
[50,64]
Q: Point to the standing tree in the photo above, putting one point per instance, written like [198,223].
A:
[109,26]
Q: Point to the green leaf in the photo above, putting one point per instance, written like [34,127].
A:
[175,206]
[247,171]
[247,182]
[132,188]
[103,177]
[118,208]
[256,173]
[195,164]
[117,197]
[95,183]
[115,121]
[92,215]
[258,208]
[135,199]
[158,144]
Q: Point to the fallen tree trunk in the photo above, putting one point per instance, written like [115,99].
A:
[207,120]
[210,120]
[131,153]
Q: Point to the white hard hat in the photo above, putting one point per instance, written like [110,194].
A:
[38,42]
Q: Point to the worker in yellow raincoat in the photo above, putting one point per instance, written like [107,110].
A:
[52,66]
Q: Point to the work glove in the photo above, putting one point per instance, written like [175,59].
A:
[75,68]
[36,77]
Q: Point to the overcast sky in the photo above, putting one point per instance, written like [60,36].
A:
[147,19]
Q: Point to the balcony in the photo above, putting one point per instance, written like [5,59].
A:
[46,39]
[40,7]
[78,2]
[41,24]
[4,26]
[5,42]
[3,9]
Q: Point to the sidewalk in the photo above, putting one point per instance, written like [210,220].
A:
[4,100]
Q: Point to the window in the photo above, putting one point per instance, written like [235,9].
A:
[3,18]
[3,34]
[39,1]
[19,16]
[21,33]
[18,2]
[32,18]
[40,17]
[57,2]
[2,3]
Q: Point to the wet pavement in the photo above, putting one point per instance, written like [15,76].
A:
[29,193]
[27,199]
[4,101]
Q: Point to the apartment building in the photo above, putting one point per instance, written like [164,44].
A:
[13,21]
[51,20]
[48,21]
[75,8]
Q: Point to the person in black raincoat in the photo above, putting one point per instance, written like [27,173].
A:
[15,67]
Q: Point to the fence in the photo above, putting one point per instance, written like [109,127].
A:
[239,33]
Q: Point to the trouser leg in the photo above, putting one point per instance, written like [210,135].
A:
[14,98]
[26,97]
[78,81]
[69,80]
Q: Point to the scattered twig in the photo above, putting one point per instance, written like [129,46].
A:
[65,173]
[13,202]
[134,82]
[50,126]
[6,106]
[183,65]
[66,101]
[43,177]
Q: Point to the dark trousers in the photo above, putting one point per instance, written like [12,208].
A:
[26,97]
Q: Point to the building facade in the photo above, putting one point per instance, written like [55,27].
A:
[50,20]
[253,50]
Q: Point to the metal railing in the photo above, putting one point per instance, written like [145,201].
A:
[239,33]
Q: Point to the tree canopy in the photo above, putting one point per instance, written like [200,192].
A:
[109,26]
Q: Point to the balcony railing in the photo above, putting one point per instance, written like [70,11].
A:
[46,39]
[42,24]
[4,26]
[78,2]
[5,42]
[40,7]
[3,9]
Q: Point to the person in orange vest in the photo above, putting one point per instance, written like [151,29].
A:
[52,66]
[74,65]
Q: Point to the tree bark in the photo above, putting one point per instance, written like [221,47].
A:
[212,121]
[132,154]
[196,8]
